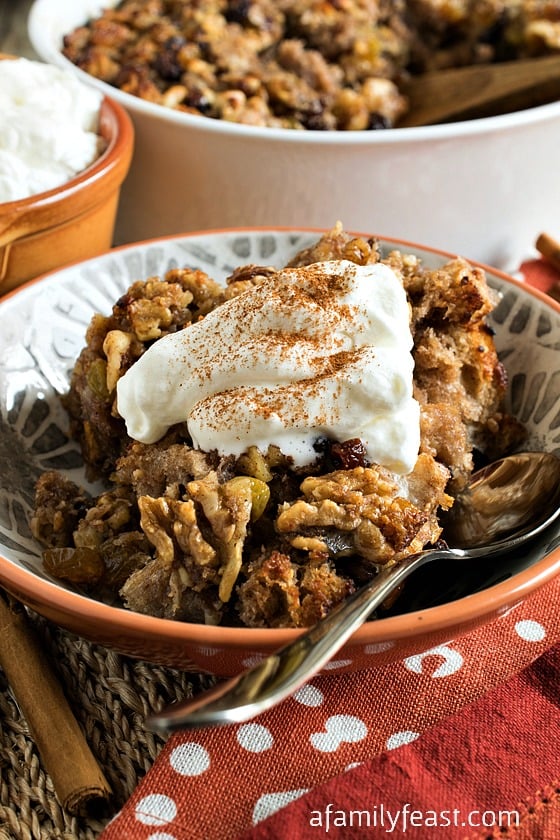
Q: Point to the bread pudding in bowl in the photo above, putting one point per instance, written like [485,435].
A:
[267,445]
[164,541]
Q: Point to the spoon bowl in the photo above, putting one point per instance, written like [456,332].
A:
[41,334]
[505,505]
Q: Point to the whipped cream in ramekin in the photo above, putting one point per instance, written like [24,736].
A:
[48,127]
[318,351]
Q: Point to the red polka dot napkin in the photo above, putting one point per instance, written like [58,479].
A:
[461,741]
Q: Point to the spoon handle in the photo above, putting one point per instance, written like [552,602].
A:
[481,90]
[282,673]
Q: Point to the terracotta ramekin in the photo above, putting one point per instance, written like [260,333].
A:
[74,221]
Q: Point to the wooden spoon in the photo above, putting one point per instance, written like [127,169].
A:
[481,90]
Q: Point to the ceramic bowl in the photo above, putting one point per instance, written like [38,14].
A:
[483,187]
[42,328]
[73,221]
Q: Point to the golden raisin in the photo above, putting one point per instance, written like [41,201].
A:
[260,494]
[75,565]
[97,378]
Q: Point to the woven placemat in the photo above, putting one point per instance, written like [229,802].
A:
[110,695]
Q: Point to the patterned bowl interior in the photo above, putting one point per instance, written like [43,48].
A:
[42,330]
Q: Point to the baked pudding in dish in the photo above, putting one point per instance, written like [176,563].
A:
[265,446]
[299,64]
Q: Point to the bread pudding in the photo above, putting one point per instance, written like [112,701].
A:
[265,446]
[302,64]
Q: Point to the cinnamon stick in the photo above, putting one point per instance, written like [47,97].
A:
[77,778]
[549,248]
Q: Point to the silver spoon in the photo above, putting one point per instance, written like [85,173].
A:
[504,505]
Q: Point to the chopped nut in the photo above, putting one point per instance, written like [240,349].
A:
[116,346]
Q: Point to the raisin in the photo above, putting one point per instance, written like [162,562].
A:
[75,565]
[349,454]
[167,63]
[377,122]
[238,11]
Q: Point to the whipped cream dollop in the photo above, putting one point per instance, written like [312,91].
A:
[48,127]
[318,351]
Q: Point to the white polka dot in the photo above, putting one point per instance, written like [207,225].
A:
[378,647]
[353,765]
[530,631]
[250,661]
[452,661]
[309,695]
[155,809]
[269,803]
[400,738]
[190,759]
[159,835]
[255,738]
[207,651]
[334,664]
[339,729]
